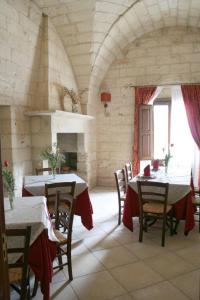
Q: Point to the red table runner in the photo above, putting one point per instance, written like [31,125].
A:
[184,210]
[41,255]
[83,207]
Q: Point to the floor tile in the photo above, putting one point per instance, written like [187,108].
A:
[191,255]
[163,290]
[99,286]
[136,275]
[100,242]
[85,264]
[169,265]
[61,291]
[146,249]
[189,283]
[115,257]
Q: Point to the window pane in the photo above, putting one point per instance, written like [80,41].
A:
[160,130]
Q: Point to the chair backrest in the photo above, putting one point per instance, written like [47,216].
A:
[66,218]
[40,171]
[128,171]
[120,182]
[65,188]
[22,250]
[152,192]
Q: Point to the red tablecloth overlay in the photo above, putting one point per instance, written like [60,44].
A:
[41,255]
[183,210]
[83,207]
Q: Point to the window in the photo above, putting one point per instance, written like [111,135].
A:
[161,121]
[154,129]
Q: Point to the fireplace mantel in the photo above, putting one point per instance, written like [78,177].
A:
[63,114]
[60,121]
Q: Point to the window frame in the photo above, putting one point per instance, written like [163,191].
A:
[165,101]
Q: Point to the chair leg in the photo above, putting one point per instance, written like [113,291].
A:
[171,223]
[199,218]
[69,260]
[141,228]
[60,262]
[163,232]
[119,216]
[35,287]
[176,226]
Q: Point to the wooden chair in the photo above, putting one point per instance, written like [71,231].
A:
[128,171]
[40,171]
[64,244]
[153,197]
[19,271]
[121,191]
[67,190]
[63,216]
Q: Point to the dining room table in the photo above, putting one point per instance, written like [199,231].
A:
[35,186]
[32,211]
[179,196]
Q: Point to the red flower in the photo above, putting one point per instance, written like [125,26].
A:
[6,163]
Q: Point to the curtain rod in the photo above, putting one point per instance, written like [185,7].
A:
[166,84]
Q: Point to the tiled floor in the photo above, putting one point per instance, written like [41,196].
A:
[110,263]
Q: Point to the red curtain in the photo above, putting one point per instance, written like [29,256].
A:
[142,96]
[191,97]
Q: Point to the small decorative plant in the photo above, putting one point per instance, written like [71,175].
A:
[168,156]
[8,181]
[54,156]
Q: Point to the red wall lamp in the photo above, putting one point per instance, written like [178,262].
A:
[105,98]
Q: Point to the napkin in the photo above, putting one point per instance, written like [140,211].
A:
[147,170]
[155,164]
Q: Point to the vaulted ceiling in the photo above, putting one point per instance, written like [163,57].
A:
[95,32]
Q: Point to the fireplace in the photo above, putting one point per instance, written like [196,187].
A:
[68,130]
[68,143]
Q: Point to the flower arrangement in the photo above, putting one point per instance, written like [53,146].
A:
[8,181]
[53,155]
[168,156]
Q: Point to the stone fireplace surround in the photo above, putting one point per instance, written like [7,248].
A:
[49,127]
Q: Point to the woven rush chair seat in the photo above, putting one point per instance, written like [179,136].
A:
[60,236]
[15,275]
[155,208]
[196,200]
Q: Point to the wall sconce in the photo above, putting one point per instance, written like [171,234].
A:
[105,98]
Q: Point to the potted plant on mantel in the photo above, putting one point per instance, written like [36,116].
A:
[54,157]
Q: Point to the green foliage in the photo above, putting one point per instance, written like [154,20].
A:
[167,158]
[8,179]
[53,155]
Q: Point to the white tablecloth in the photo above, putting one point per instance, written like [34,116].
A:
[27,211]
[35,184]
[179,184]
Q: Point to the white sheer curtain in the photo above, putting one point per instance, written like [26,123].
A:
[183,150]
[156,94]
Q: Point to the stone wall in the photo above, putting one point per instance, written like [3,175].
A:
[167,56]
[31,76]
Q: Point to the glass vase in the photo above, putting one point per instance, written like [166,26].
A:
[11,198]
[54,173]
